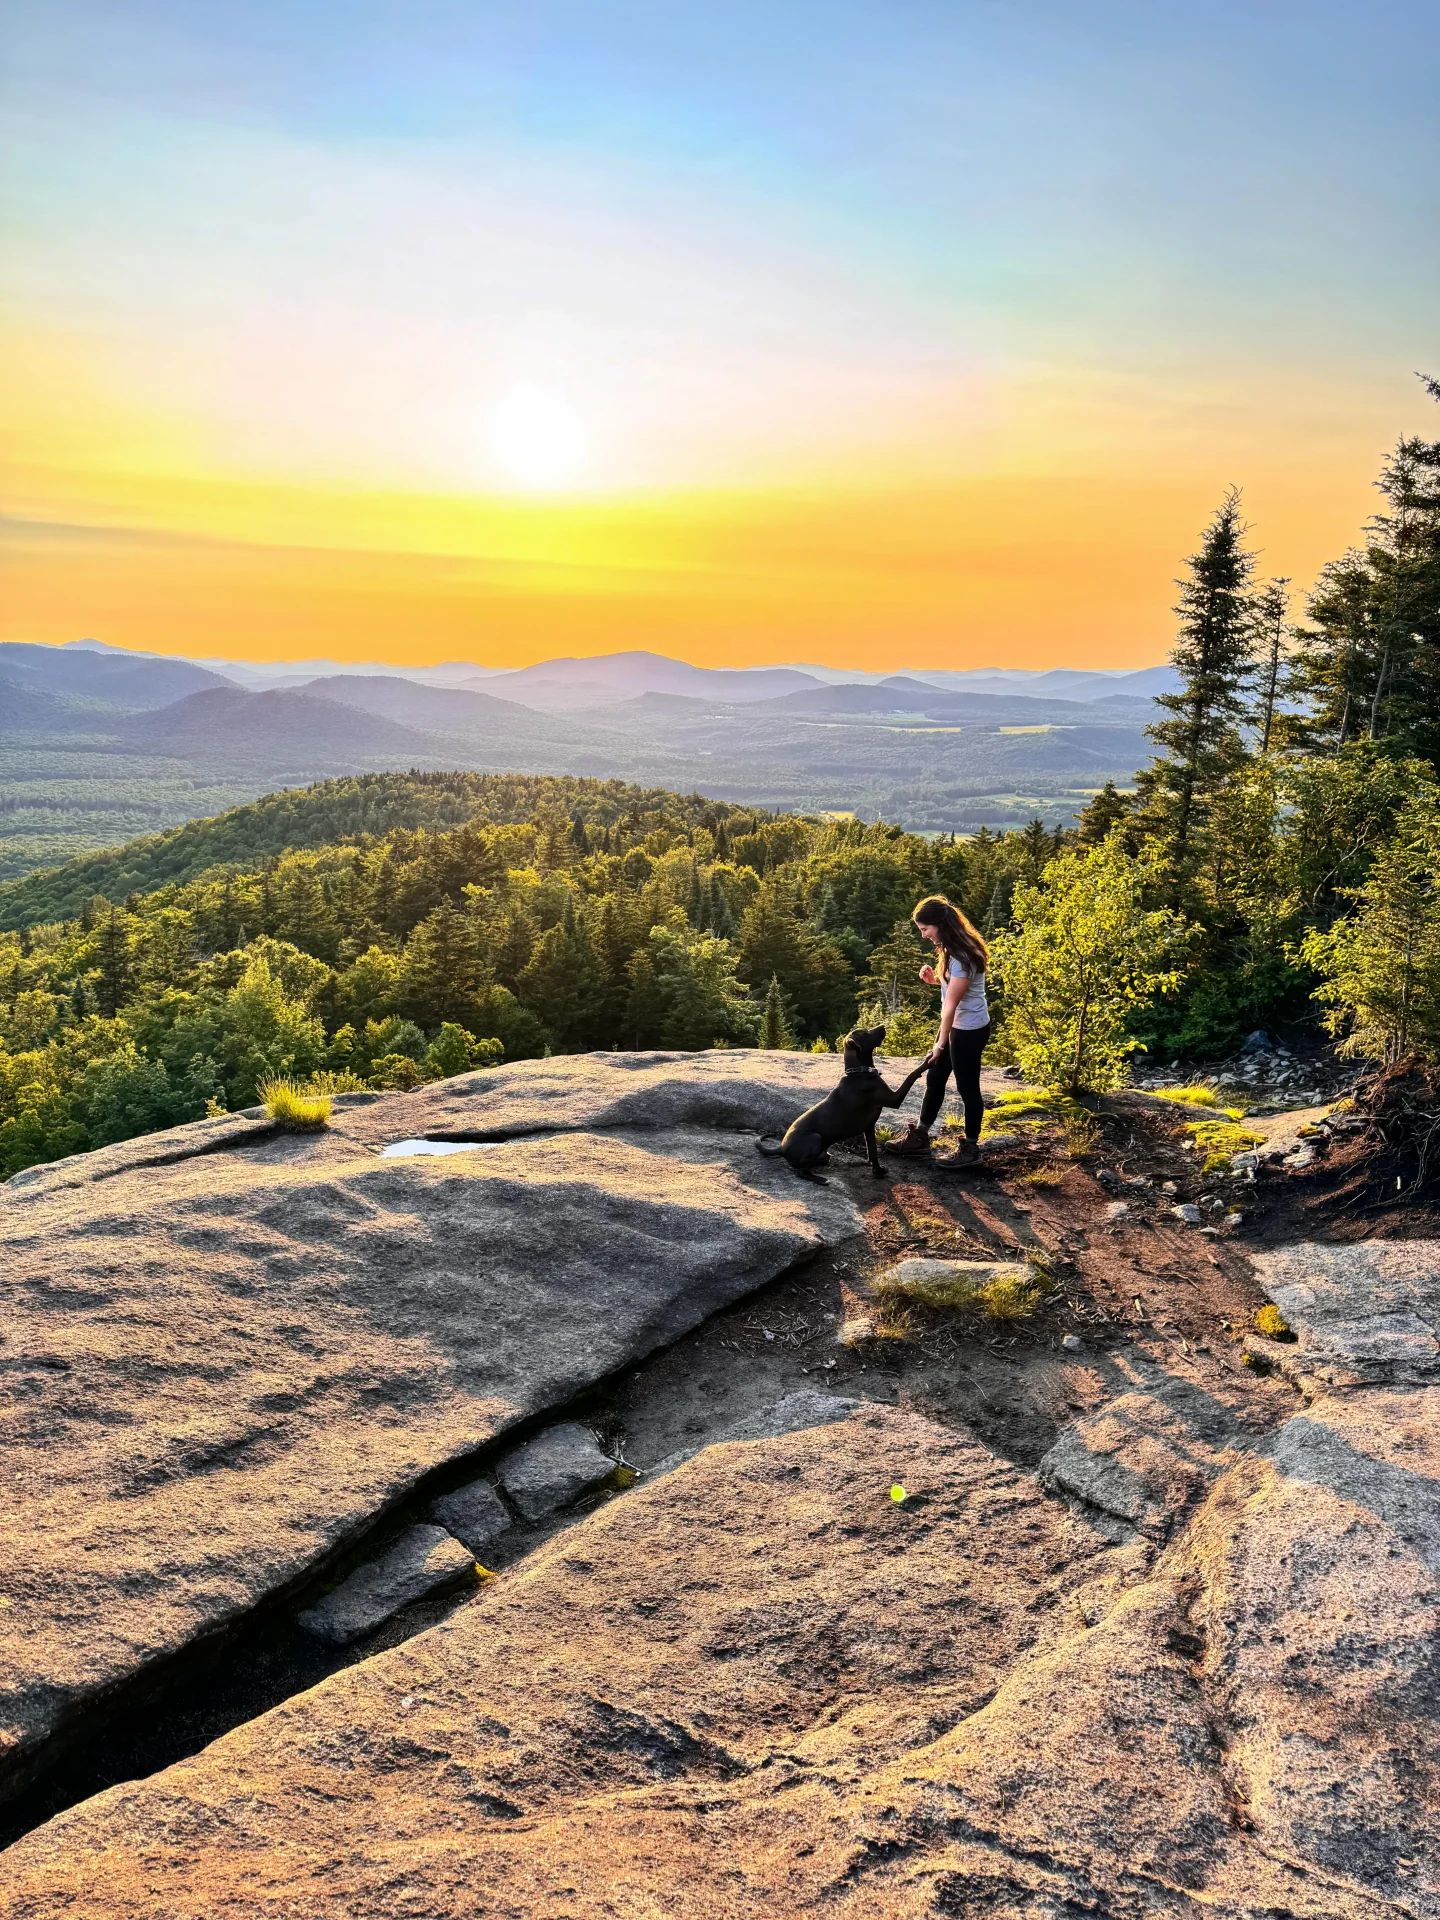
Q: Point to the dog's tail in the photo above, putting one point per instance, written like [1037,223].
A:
[770,1152]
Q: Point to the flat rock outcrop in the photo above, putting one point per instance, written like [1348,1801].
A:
[595,1731]
[1362,1313]
[724,1088]
[1145,1456]
[760,1687]
[219,1365]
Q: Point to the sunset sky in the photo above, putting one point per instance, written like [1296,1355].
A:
[872,332]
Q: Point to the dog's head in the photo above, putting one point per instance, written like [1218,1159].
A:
[860,1045]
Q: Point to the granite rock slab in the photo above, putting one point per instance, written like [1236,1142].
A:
[217,1369]
[1364,1314]
[1144,1456]
[758,1687]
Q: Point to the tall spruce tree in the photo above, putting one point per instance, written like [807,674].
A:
[1200,739]
[1106,809]
[1271,609]
[1367,659]
[774,1025]
[112,951]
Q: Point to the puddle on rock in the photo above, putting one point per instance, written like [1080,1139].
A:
[405,1149]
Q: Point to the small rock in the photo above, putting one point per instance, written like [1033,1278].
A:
[998,1142]
[948,1283]
[1108,1180]
[1244,1162]
[1301,1158]
[1118,1210]
[1168,1186]
[854,1333]
[1072,1343]
[553,1469]
[473,1514]
[1257,1042]
[423,1561]
[1189,1214]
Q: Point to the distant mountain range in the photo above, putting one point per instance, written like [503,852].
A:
[606,678]
[98,744]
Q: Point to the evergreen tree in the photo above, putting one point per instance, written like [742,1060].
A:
[511,944]
[112,946]
[891,981]
[1367,659]
[1200,739]
[1271,608]
[775,1031]
[1105,811]
[721,916]
[442,970]
[1037,849]
[566,984]
[997,908]
[227,917]
[1380,970]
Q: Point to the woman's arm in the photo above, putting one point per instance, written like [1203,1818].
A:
[954,994]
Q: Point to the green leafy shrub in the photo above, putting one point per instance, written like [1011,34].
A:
[397,1073]
[1380,971]
[329,1081]
[910,1033]
[1082,952]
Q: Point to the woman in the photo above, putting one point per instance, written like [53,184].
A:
[964,1027]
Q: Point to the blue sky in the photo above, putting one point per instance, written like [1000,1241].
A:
[744,247]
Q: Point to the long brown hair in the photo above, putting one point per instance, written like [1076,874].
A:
[959,940]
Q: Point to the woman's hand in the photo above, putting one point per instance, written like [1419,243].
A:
[927,974]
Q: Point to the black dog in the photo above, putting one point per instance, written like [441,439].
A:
[854,1107]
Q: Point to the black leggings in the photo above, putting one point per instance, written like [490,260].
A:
[964,1059]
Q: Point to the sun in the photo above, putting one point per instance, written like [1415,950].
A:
[536,439]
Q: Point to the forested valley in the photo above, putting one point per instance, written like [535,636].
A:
[1275,862]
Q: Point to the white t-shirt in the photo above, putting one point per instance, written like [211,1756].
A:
[974,1009]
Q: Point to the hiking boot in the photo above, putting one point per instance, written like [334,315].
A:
[913,1144]
[967,1154]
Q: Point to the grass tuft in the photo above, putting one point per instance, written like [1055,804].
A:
[1081,1131]
[294,1107]
[1043,1177]
[1032,1109]
[1009,1299]
[1200,1093]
